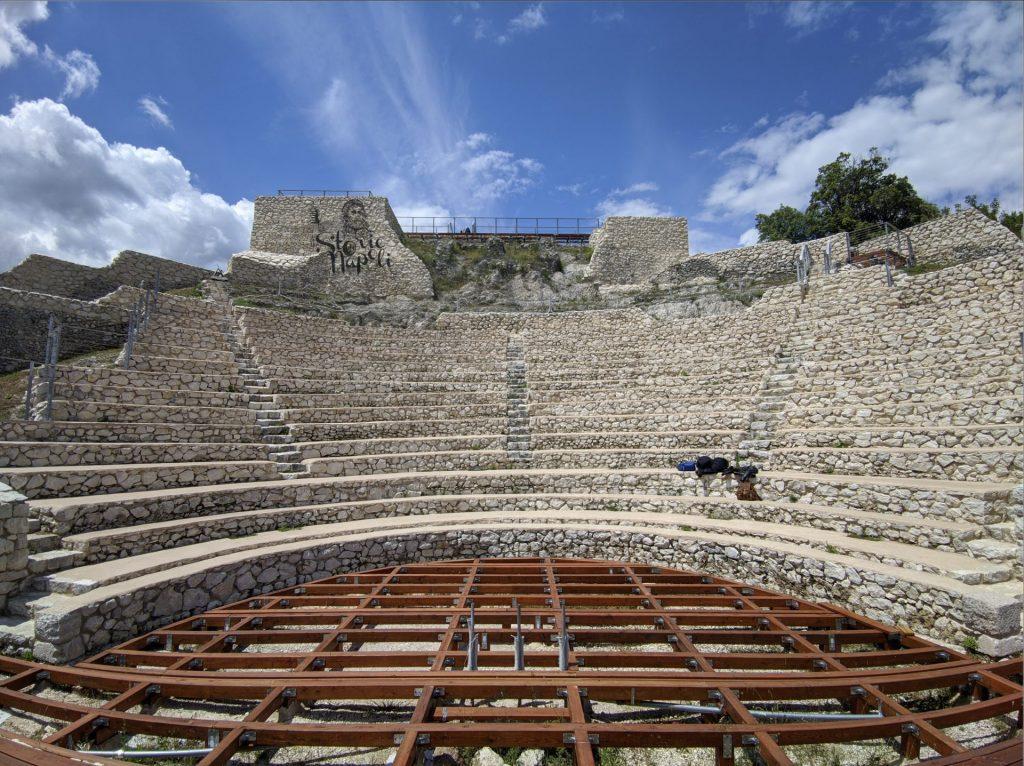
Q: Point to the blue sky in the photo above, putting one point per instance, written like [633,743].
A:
[153,126]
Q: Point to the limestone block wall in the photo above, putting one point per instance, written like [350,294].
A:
[89,326]
[632,249]
[13,543]
[953,238]
[763,262]
[617,319]
[941,608]
[347,246]
[43,274]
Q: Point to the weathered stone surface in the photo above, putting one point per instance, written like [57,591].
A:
[631,249]
[350,246]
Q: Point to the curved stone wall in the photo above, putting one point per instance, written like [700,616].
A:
[94,620]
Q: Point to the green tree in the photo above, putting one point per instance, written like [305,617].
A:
[787,223]
[1011,219]
[848,194]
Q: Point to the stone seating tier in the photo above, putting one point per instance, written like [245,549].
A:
[886,422]
[976,502]
[115,612]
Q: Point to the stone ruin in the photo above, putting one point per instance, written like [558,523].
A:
[236,454]
[350,246]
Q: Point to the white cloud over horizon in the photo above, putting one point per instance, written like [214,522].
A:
[66,191]
[959,128]
[398,118]
[626,201]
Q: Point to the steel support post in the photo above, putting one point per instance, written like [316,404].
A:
[28,389]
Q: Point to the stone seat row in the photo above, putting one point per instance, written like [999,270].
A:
[957,464]
[973,502]
[53,481]
[673,439]
[115,412]
[901,436]
[962,412]
[75,432]
[149,545]
[184,580]
[24,454]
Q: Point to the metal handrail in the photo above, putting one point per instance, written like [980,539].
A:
[324,192]
[514,225]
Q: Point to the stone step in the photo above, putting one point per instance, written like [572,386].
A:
[42,542]
[24,454]
[17,634]
[57,560]
[65,481]
[92,412]
[25,604]
[996,550]
[1007,532]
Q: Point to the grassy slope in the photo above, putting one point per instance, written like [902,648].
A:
[12,384]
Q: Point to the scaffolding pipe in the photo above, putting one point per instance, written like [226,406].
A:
[130,340]
[779,715]
[471,646]
[54,355]
[197,753]
[517,642]
[28,390]
[563,642]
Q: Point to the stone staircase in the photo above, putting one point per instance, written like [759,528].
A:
[518,408]
[771,402]
[274,431]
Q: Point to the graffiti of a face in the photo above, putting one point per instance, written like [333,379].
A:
[354,221]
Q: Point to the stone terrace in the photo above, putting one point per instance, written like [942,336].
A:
[247,450]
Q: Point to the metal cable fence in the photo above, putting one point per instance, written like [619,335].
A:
[65,338]
[568,227]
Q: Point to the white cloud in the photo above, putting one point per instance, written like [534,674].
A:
[608,17]
[806,16]
[749,237]
[13,42]
[573,189]
[393,119]
[637,188]
[81,74]
[627,201]
[957,129]
[154,109]
[532,17]
[68,192]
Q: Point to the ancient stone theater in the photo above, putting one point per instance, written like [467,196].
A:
[482,493]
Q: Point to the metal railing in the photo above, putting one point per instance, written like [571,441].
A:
[324,193]
[45,373]
[498,225]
